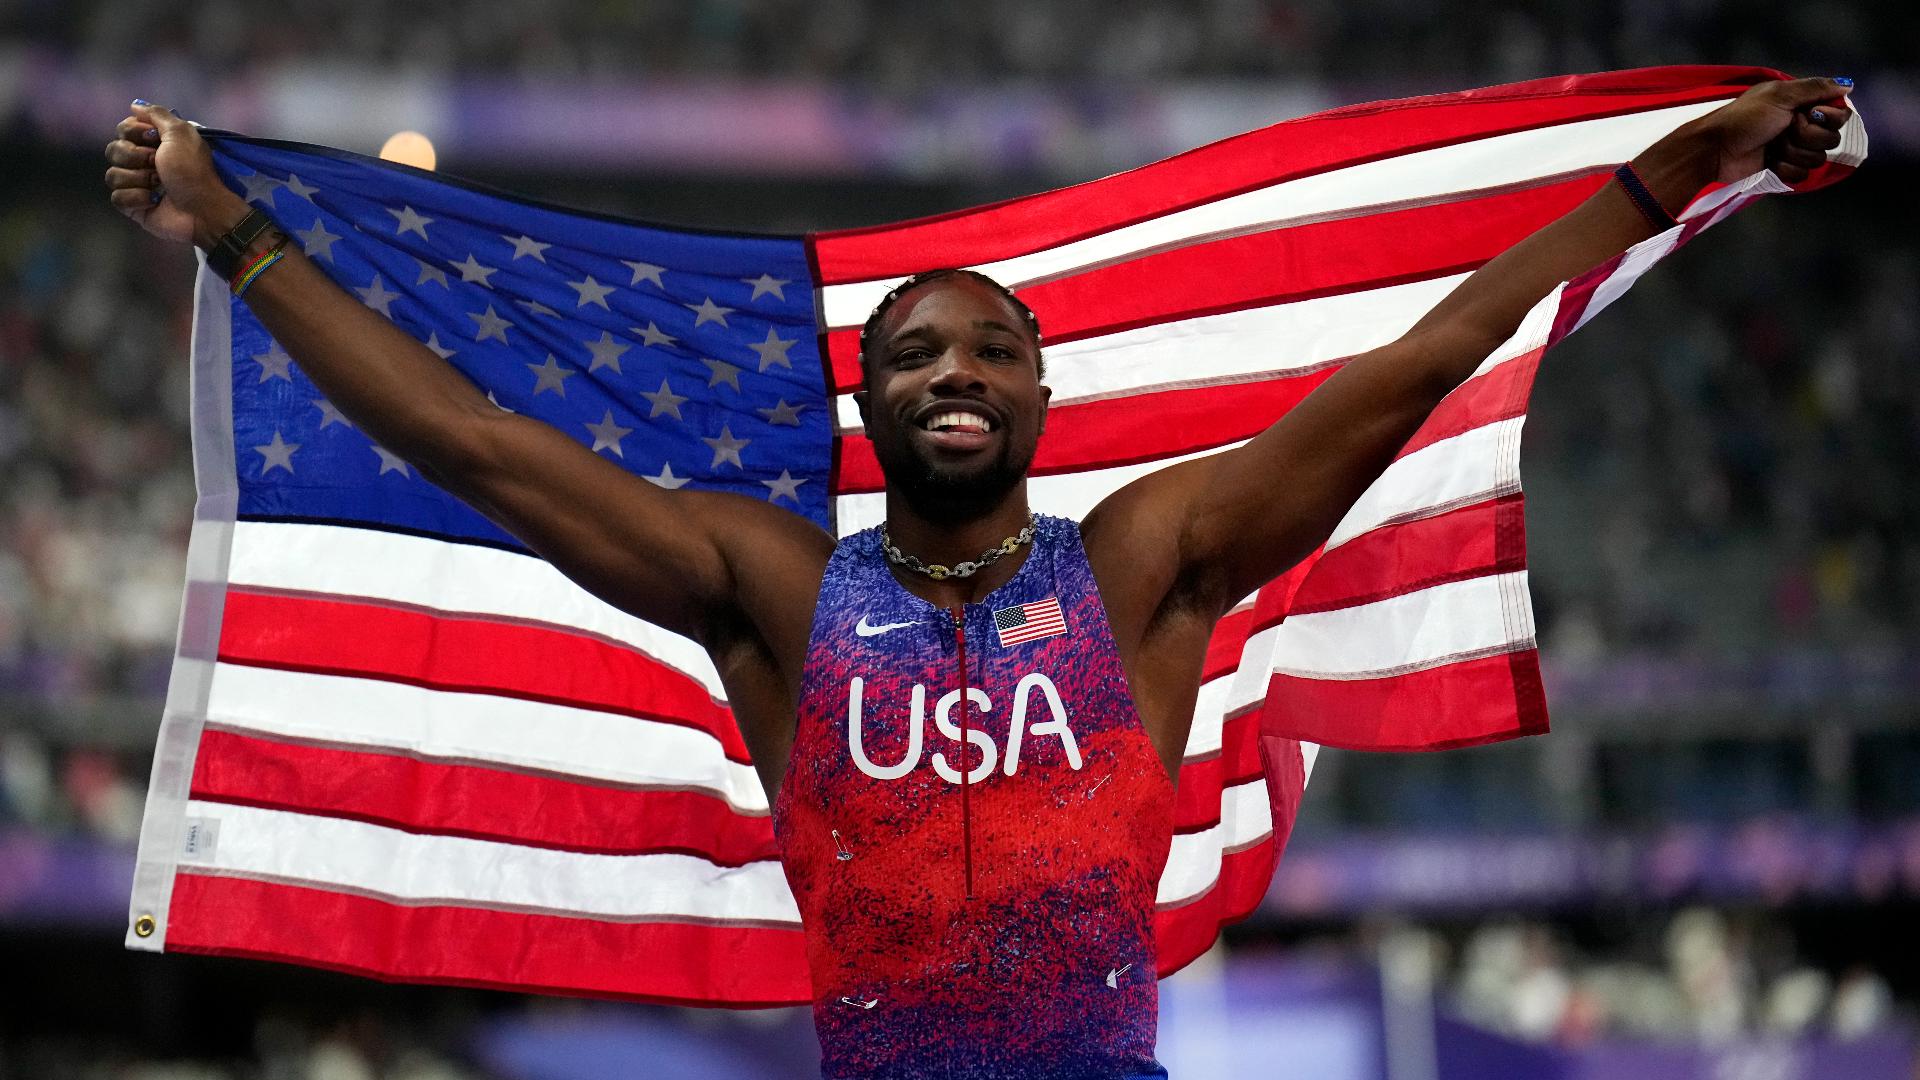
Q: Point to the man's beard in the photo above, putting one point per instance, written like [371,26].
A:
[951,496]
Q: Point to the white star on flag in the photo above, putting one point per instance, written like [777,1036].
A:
[410,221]
[591,292]
[278,454]
[491,325]
[645,271]
[787,487]
[377,297]
[726,448]
[664,401]
[551,375]
[391,462]
[273,363]
[260,187]
[708,311]
[473,272]
[653,335]
[305,191]
[317,242]
[764,284]
[722,372]
[527,245]
[607,434]
[330,414]
[666,479]
[606,352]
[773,350]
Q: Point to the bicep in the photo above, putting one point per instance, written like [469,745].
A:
[664,556]
[1262,507]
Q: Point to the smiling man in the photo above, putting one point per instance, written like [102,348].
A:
[968,718]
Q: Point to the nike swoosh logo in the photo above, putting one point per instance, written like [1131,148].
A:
[860,1004]
[867,629]
[1113,975]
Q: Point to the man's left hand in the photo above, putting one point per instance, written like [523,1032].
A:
[1787,126]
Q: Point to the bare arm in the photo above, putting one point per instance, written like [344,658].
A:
[685,560]
[1223,526]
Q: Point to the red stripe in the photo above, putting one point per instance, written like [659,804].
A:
[1279,266]
[1297,148]
[474,801]
[1500,394]
[466,654]
[1461,704]
[668,963]
[1196,803]
[1181,934]
[1394,560]
[1223,648]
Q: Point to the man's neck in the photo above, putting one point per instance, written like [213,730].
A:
[949,543]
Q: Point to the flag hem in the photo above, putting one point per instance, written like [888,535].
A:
[209,548]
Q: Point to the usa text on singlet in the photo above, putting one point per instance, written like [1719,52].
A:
[1053,811]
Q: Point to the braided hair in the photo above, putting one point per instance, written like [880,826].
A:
[942,274]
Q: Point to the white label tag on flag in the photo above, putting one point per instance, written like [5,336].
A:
[202,835]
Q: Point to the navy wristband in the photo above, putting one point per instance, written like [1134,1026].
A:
[1650,207]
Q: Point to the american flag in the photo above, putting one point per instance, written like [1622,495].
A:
[1030,622]
[396,743]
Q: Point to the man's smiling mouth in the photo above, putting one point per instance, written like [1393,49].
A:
[972,423]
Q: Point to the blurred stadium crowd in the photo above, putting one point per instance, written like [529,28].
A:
[917,46]
[1700,975]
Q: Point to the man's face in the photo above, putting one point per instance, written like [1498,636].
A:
[953,402]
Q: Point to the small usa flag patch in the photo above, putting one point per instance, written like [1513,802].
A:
[1030,622]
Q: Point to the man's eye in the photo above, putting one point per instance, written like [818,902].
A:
[911,356]
[997,352]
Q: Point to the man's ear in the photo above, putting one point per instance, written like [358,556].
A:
[860,402]
[1046,396]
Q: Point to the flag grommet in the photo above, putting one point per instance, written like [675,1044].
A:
[144,926]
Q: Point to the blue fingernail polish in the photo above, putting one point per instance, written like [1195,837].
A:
[141,101]
[1819,117]
[1843,80]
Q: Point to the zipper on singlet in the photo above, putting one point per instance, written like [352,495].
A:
[966,743]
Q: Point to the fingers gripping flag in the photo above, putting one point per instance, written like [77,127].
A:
[398,743]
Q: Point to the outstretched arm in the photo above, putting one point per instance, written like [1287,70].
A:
[1234,521]
[689,561]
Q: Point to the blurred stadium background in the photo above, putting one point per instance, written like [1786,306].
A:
[1701,873]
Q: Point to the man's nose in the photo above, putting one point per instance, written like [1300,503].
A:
[957,369]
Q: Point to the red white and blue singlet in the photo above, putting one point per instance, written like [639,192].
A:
[1060,823]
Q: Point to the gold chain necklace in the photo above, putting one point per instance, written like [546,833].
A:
[966,569]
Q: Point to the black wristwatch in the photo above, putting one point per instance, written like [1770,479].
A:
[225,254]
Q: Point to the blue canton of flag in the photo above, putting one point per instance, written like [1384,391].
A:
[688,357]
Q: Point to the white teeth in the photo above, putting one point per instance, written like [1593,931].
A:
[948,420]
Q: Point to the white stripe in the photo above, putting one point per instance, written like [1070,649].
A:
[1477,616]
[481,728]
[1071,495]
[1234,346]
[372,859]
[370,564]
[1478,463]
[1193,862]
[1489,162]
[1209,717]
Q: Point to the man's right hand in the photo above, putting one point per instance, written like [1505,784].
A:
[161,175]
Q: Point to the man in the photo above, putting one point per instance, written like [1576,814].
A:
[978,904]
